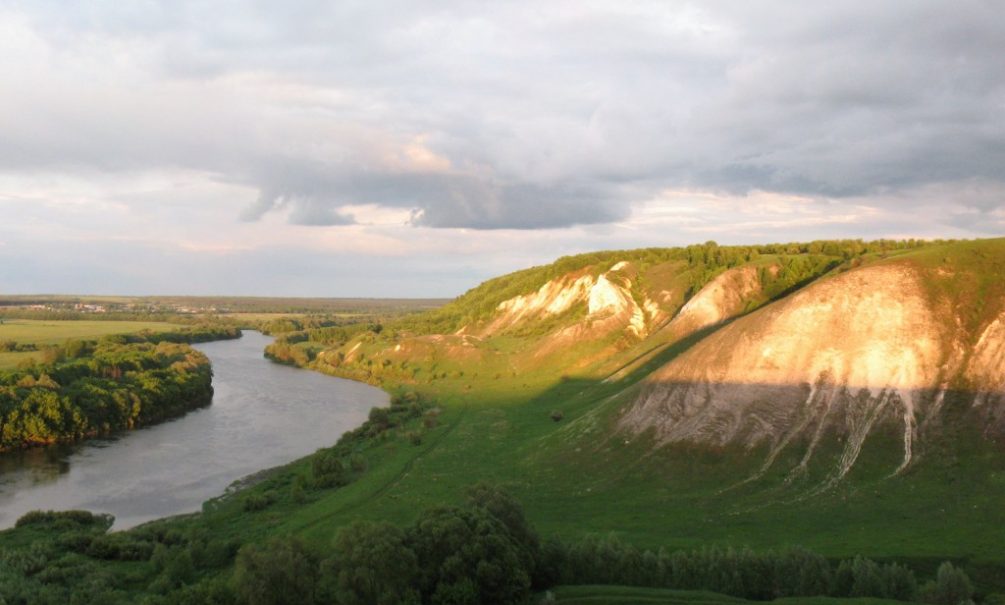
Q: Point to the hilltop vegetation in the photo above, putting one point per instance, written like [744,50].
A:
[703,261]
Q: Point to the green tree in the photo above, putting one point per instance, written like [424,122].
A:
[868,579]
[952,586]
[282,571]
[465,550]
[371,563]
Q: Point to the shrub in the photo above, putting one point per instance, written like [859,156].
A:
[65,519]
[357,462]
[120,547]
[257,502]
[328,469]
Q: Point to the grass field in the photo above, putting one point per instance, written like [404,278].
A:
[49,332]
[42,332]
[12,359]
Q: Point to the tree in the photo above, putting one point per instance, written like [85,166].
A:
[509,512]
[900,582]
[465,552]
[371,563]
[868,581]
[952,586]
[283,571]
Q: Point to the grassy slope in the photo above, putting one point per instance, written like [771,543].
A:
[575,478]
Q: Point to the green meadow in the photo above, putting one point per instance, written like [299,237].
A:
[51,332]
[46,332]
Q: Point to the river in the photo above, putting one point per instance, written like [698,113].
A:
[263,415]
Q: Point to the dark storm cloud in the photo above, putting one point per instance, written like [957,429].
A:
[519,115]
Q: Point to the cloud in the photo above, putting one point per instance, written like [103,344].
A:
[503,133]
[511,116]
[302,210]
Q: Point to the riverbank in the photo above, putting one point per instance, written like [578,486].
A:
[263,415]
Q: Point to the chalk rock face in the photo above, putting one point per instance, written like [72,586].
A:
[608,299]
[553,298]
[841,356]
[722,298]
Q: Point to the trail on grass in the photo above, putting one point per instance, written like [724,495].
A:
[386,487]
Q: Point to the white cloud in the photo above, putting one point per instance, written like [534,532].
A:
[451,134]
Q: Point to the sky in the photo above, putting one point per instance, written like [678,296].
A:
[415,149]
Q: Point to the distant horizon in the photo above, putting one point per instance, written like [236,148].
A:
[448,297]
[210,296]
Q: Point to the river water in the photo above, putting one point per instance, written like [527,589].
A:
[263,415]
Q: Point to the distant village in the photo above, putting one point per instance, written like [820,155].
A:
[109,307]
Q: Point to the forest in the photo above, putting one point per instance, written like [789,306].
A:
[87,388]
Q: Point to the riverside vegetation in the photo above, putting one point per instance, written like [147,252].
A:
[83,388]
[526,382]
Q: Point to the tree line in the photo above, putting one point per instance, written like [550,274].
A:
[482,551]
[486,551]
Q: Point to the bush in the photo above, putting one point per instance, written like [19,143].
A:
[357,462]
[328,469]
[257,502]
[67,519]
[119,547]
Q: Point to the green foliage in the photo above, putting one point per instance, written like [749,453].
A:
[255,502]
[65,520]
[329,469]
[120,382]
[468,556]
[174,567]
[371,563]
[283,571]
[72,559]
[705,260]
[951,586]
[740,573]
[342,463]
[484,551]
